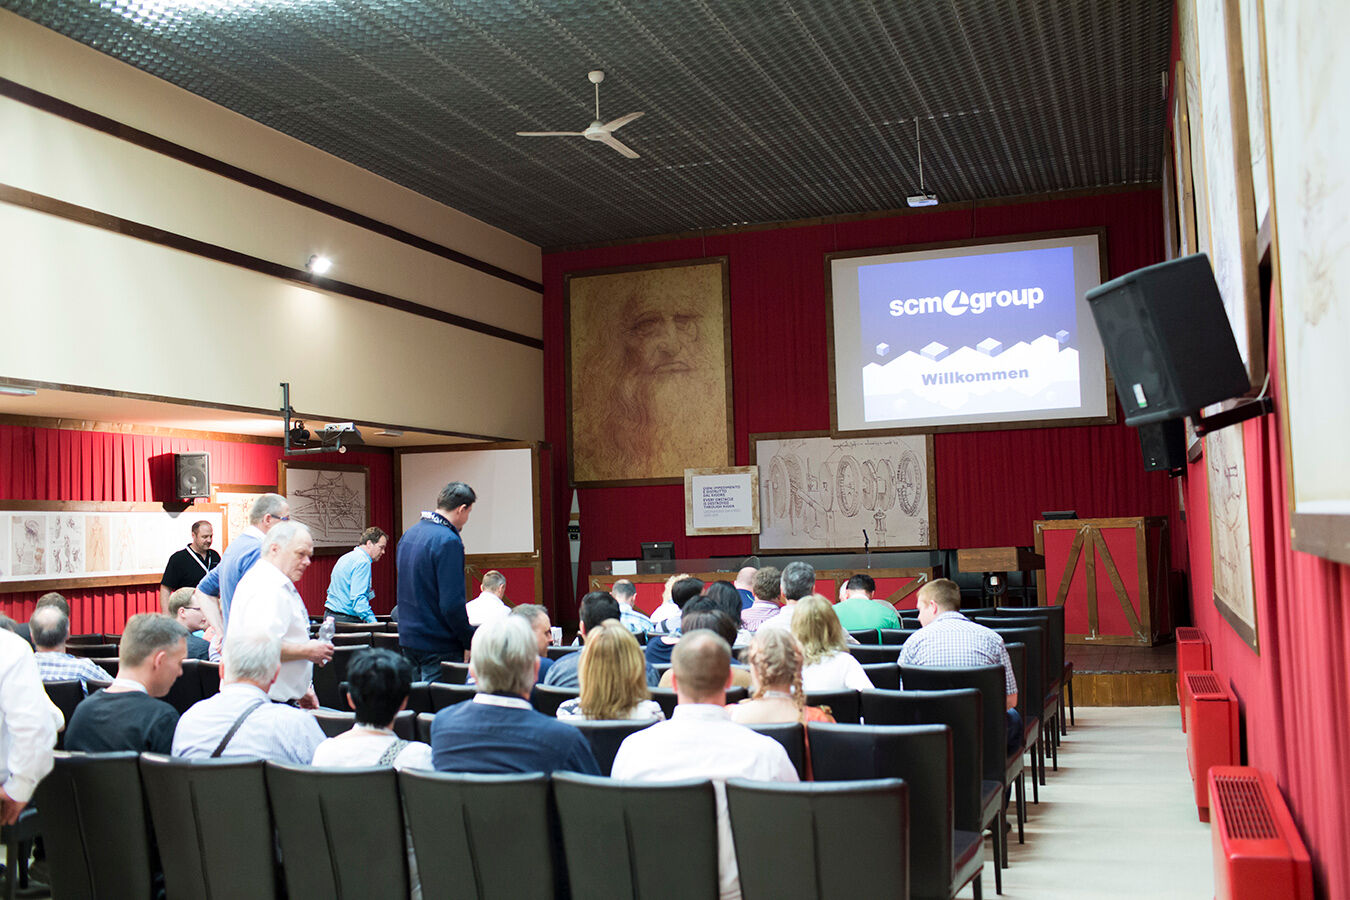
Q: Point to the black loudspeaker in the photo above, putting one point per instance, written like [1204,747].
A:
[1164,445]
[1167,340]
[192,475]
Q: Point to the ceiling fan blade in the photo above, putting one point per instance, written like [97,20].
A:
[549,133]
[616,124]
[610,140]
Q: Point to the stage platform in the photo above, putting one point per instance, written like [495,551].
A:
[1108,675]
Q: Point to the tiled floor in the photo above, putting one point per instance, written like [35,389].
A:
[1087,658]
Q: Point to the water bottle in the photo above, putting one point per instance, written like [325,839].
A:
[327,630]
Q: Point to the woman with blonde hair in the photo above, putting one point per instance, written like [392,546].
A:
[613,678]
[829,665]
[775,658]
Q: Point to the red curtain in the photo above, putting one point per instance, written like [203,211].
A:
[58,464]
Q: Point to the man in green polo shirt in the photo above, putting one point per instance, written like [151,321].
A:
[858,610]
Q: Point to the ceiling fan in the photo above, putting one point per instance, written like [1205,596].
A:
[597,130]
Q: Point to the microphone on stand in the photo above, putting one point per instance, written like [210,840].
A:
[867,548]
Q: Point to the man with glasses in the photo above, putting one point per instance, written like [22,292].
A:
[184,610]
[215,592]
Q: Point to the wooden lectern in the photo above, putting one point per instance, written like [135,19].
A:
[1001,560]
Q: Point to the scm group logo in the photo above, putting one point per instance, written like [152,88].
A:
[957,302]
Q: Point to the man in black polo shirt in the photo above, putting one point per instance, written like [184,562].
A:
[189,565]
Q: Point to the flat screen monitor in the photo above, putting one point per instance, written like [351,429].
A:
[658,550]
[1060,514]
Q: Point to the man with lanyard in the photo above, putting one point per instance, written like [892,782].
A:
[349,590]
[190,565]
[215,592]
[433,623]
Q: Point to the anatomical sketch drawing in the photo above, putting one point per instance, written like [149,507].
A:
[332,503]
[28,545]
[817,492]
[65,545]
[1230,528]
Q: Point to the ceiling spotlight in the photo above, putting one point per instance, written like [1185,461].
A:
[319,265]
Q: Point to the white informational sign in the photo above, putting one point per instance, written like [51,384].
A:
[721,501]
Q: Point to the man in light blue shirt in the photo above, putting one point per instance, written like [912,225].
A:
[349,590]
[629,616]
[215,591]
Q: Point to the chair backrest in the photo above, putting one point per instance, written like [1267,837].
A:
[792,735]
[894,637]
[454,673]
[334,722]
[387,640]
[961,710]
[633,822]
[844,705]
[548,697]
[667,698]
[419,697]
[109,664]
[560,652]
[327,678]
[815,847]
[213,825]
[1034,686]
[405,725]
[94,825]
[424,721]
[482,836]
[865,636]
[443,695]
[1017,655]
[82,640]
[661,668]
[187,688]
[91,651]
[356,627]
[606,736]
[66,695]
[736,693]
[340,830]
[352,639]
[885,676]
[989,681]
[209,674]
[875,653]
[1054,618]
[922,756]
[977,612]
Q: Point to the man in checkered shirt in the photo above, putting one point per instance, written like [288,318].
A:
[949,639]
[50,627]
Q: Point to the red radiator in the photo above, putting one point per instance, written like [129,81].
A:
[1193,655]
[1258,854]
[1213,736]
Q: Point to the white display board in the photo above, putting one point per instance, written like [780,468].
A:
[721,500]
[503,518]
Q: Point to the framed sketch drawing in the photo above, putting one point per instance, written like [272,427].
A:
[648,372]
[236,500]
[332,499]
[1230,531]
[821,493]
[1181,152]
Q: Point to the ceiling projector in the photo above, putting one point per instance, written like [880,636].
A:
[922,200]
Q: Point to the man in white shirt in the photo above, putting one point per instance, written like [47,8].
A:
[267,602]
[488,606]
[241,720]
[798,581]
[28,726]
[701,741]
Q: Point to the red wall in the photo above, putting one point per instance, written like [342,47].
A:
[990,485]
[56,464]
[1295,695]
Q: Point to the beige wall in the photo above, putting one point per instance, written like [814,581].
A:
[100,310]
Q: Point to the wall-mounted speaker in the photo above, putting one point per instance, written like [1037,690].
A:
[192,475]
[1168,341]
[1164,445]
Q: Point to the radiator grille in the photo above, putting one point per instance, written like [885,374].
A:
[1190,634]
[1203,683]
[1246,814]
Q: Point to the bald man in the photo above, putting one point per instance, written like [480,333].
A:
[745,586]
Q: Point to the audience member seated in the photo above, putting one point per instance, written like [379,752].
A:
[613,678]
[745,585]
[701,741]
[596,607]
[537,616]
[378,682]
[126,715]
[859,610]
[488,605]
[666,617]
[702,614]
[658,648]
[188,614]
[776,660]
[798,581]
[49,627]
[242,720]
[51,598]
[498,731]
[829,665]
[948,638]
[768,588]
[625,593]
[728,600]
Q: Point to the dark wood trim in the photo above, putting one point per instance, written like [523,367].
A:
[489,445]
[968,205]
[149,233]
[90,119]
[244,488]
[66,584]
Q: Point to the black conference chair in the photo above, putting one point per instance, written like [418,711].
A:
[797,840]
[443,695]
[108,664]
[209,674]
[1017,655]
[454,673]
[65,695]
[340,831]
[187,688]
[666,698]
[735,694]
[405,725]
[633,821]
[894,637]
[92,651]
[84,640]
[1035,701]
[94,825]
[999,765]
[843,705]
[385,640]
[352,639]
[18,840]
[942,859]
[458,821]
[419,697]
[546,698]
[865,636]
[1051,620]
[560,652]
[875,653]
[327,678]
[358,627]
[334,722]
[213,825]
[884,676]
[423,727]
[606,736]
[792,735]
[979,803]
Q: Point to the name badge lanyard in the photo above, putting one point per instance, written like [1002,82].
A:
[198,560]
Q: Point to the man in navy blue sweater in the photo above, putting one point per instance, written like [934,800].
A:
[433,626]
[498,732]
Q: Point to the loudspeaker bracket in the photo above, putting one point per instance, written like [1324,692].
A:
[1244,410]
